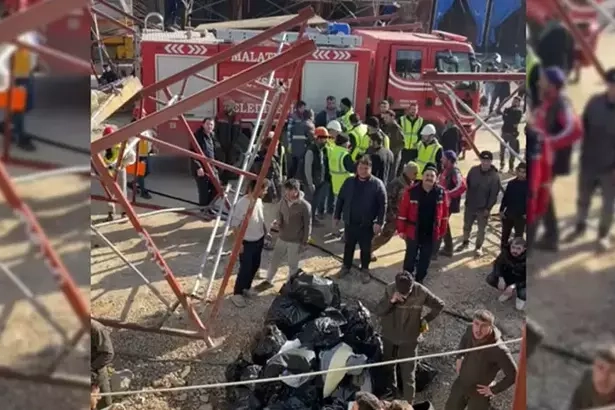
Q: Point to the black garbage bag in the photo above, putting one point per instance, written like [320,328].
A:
[314,292]
[288,315]
[345,392]
[242,370]
[235,369]
[337,405]
[267,344]
[357,315]
[321,333]
[359,331]
[290,403]
[244,399]
[269,392]
[425,373]
[309,393]
[299,360]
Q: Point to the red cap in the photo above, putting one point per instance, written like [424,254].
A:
[109,129]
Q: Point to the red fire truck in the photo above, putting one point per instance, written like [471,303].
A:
[366,67]
[540,12]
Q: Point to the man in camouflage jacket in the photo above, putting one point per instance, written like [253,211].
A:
[395,189]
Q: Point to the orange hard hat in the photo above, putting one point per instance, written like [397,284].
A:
[321,132]
[109,129]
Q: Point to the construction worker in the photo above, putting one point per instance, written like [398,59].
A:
[341,165]
[412,125]
[403,320]
[361,203]
[334,128]
[118,166]
[422,221]
[315,170]
[476,371]
[346,110]
[596,388]
[373,127]
[453,182]
[511,117]
[395,189]
[554,120]
[483,182]
[359,138]
[428,150]
[597,163]
[24,62]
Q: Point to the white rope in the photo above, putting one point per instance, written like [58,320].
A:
[309,374]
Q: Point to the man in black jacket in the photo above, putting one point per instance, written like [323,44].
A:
[513,207]
[510,132]
[205,138]
[381,157]
[101,356]
[451,139]
[315,169]
[362,204]
[556,47]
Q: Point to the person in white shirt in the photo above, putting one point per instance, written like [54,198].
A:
[253,240]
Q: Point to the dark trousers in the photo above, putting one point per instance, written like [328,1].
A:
[448,236]
[204,188]
[171,11]
[141,179]
[358,235]
[18,119]
[102,376]
[464,398]
[405,157]
[330,201]
[508,224]
[509,279]
[514,144]
[549,221]
[293,167]
[249,263]
[401,376]
[318,198]
[418,256]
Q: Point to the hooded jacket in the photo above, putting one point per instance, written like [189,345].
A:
[295,220]
[509,266]
[401,322]
[483,188]
[482,366]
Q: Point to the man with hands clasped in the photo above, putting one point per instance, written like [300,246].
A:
[362,203]
[476,370]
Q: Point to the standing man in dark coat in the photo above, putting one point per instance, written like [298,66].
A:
[555,47]
[422,221]
[316,168]
[476,371]
[513,208]
[510,132]
[382,158]
[453,182]
[452,138]
[403,321]
[101,356]
[205,138]
[362,203]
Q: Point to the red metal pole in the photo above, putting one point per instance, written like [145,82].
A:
[39,239]
[520,398]
[433,76]
[37,16]
[579,38]
[298,51]
[110,19]
[69,62]
[303,15]
[239,90]
[120,11]
[119,196]
[288,100]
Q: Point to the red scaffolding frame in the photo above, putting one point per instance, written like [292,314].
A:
[175,108]
[24,19]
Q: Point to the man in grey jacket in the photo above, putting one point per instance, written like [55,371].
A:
[294,224]
[597,163]
[483,183]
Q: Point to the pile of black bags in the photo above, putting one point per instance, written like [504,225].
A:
[304,328]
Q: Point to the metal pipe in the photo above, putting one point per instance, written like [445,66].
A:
[168,331]
[302,49]
[131,266]
[63,380]
[239,90]
[484,123]
[288,100]
[433,76]
[112,20]
[520,395]
[120,11]
[146,215]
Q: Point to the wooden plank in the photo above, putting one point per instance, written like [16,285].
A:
[258,23]
[127,89]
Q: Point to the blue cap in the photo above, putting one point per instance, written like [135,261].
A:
[450,155]
[555,76]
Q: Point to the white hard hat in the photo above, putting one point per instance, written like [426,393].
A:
[334,126]
[428,129]
[497,57]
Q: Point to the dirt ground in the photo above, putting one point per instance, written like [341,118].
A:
[28,342]
[572,290]
[118,293]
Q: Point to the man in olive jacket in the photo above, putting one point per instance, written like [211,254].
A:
[402,320]
[476,371]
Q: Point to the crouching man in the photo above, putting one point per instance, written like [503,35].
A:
[476,371]
[402,319]
[509,272]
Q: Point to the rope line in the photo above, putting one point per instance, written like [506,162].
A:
[310,374]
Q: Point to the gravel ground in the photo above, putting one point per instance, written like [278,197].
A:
[571,290]
[118,293]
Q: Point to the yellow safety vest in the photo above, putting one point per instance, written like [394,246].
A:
[531,61]
[426,154]
[22,63]
[387,141]
[411,131]
[337,170]
[361,139]
[345,120]
[115,153]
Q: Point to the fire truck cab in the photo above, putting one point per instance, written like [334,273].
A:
[365,67]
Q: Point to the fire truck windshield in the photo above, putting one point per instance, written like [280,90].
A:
[453,62]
